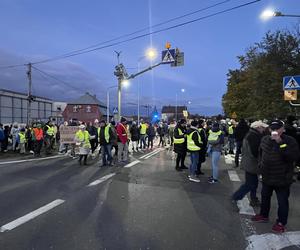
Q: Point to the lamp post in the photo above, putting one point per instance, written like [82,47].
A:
[150,54]
[267,14]
[176,116]
[107,101]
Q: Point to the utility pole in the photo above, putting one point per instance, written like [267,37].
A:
[29,97]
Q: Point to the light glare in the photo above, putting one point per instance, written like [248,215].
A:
[267,14]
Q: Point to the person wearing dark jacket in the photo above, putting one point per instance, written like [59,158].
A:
[135,136]
[202,152]
[180,144]
[250,163]
[194,145]
[239,133]
[151,134]
[278,153]
[106,137]
[94,136]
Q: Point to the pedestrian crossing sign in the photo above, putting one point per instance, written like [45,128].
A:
[115,110]
[291,83]
[168,56]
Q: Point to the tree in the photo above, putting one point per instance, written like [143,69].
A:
[255,89]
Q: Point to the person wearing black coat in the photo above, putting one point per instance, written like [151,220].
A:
[94,136]
[239,134]
[151,134]
[135,136]
[278,153]
[202,152]
[180,146]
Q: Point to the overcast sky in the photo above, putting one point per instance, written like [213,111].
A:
[33,30]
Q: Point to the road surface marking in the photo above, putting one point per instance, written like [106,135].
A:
[154,153]
[244,206]
[273,241]
[11,225]
[132,164]
[102,179]
[142,157]
[228,159]
[35,159]
[233,175]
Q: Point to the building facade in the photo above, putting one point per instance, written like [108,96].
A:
[86,108]
[13,107]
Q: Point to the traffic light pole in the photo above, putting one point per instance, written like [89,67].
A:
[119,99]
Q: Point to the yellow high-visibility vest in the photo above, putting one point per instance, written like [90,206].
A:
[230,130]
[143,129]
[106,133]
[50,130]
[22,137]
[84,137]
[213,136]
[191,146]
[179,140]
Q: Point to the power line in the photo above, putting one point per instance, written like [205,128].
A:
[150,33]
[138,31]
[53,77]
[12,66]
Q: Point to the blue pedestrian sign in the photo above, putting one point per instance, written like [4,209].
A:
[115,111]
[291,82]
[168,56]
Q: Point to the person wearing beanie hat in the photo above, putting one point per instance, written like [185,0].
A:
[249,163]
[180,144]
[194,145]
[278,153]
[122,140]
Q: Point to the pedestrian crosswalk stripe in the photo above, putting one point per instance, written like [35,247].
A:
[102,179]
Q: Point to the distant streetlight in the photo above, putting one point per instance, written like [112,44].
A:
[176,116]
[182,90]
[267,14]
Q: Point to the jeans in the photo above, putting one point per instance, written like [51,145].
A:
[106,154]
[282,194]
[122,151]
[215,157]
[194,162]
[150,142]
[231,144]
[135,145]
[142,141]
[238,152]
[250,185]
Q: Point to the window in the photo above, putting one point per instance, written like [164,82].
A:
[88,109]
[75,109]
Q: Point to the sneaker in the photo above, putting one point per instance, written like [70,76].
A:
[31,152]
[194,178]
[259,218]
[212,181]
[255,203]
[278,228]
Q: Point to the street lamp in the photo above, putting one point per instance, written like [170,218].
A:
[182,91]
[151,54]
[267,14]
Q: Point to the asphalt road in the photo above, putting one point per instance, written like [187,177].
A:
[57,204]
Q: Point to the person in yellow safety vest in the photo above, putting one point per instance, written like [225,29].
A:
[105,138]
[194,145]
[231,137]
[215,143]
[49,137]
[82,139]
[180,144]
[143,130]
[22,140]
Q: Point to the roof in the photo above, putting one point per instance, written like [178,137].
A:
[172,109]
[4,91]
[87,98]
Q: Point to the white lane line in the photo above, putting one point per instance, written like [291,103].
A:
[233,175]
[102,179]
[153,154]
[244,207]
[228,159]
[273,241]
[142,157]
[35,159]
[132,164]
[11,225]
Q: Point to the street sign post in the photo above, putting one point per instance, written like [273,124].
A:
[290,95]
[168,56]
[291,82]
